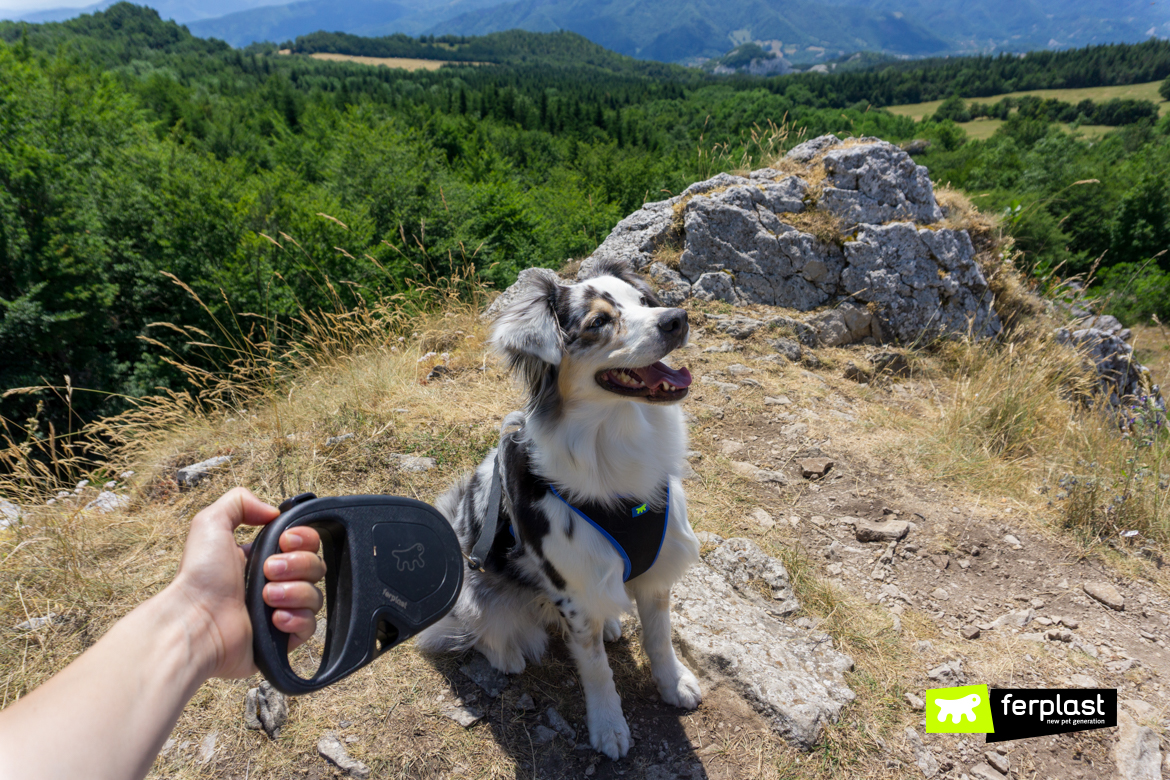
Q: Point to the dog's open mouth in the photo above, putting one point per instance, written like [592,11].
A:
[657,382]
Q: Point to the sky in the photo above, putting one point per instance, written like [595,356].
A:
[24,6]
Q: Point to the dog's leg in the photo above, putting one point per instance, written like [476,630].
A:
[676,683]
[613,629]
[608,731]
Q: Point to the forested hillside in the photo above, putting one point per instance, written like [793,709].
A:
[130,150]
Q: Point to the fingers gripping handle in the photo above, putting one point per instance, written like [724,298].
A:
[393,567]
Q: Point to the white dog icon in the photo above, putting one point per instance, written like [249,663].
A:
[958,708]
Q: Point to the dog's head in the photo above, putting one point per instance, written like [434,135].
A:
[601,339]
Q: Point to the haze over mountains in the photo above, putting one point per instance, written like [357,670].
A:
[684,30]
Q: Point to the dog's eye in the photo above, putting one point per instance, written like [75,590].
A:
[645,301]
[599,322]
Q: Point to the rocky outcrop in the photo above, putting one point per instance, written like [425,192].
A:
[877,257]
[791,675]
[1123,380]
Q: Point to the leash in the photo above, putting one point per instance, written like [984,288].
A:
[487,534]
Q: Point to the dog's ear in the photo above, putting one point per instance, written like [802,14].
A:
[527,332]
[621,269]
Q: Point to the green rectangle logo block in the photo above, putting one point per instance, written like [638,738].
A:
[962,710]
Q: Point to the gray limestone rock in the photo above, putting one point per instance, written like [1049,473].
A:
[108,501]
[801,331]
[792,676]
[922,755]
[413,463]
[332,750]
[1107,594]
[480,671]
[10,514]
[197,472]
[875,183]
[742,562]
[788,349]
[671,287]
[635,238]
[1136,754]
[265,708]
[1122,378]
[925,283]
[805,152]
[714,287]
[738,327]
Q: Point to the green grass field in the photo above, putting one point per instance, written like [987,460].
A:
[1148,91]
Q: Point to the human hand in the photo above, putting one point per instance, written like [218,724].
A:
[211,578]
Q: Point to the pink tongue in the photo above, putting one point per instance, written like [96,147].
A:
[655,375]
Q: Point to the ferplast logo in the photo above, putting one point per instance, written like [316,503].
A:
[1019,713]
[638,511]
[962,710]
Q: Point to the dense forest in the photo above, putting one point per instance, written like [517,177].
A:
[130,149]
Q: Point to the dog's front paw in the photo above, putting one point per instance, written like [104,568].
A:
[608,731]
[680,688]
[613,629]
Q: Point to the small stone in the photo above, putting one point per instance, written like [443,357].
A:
[1014,619]
[986,772]
[37,622]
[775,477]
[333,751]
[108,501]
[795,430]
[197,472]
[265,708]
[333,441]
[1037,603]
[481,672]
[525,703]
[922,755]
[939,594]
[815,468]
[463,715]
[207,748]
[560,724]
[969,632]
[1083,681]
[998,763]
[413,463]
[761,516]
[891,530]
[1105,593]
[542,735]
[916,704]
[781,400]
[1012,542]
[730,446]
[1067,622]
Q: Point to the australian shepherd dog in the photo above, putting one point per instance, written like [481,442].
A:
[592,517]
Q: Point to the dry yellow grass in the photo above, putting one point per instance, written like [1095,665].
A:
[990,420]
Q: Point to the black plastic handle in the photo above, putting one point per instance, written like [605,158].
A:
[393,567]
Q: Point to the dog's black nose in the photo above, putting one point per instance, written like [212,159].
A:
[672,321]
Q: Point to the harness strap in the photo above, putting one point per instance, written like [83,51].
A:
[487,534]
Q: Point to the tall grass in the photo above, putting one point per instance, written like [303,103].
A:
[238,359]
[1027,418]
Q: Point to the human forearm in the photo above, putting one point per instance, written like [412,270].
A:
[107,714]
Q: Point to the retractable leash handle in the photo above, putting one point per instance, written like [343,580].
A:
[393,567]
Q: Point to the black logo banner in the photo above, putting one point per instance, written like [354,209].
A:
[1019,713]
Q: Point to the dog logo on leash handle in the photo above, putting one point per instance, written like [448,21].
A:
[957,709]
[411,558]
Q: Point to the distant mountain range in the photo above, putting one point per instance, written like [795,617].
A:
[802,31]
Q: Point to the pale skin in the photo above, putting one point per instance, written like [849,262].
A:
[107,714]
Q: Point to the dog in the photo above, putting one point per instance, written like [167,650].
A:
[603,436]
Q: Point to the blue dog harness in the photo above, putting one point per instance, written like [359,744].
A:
[634,529]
